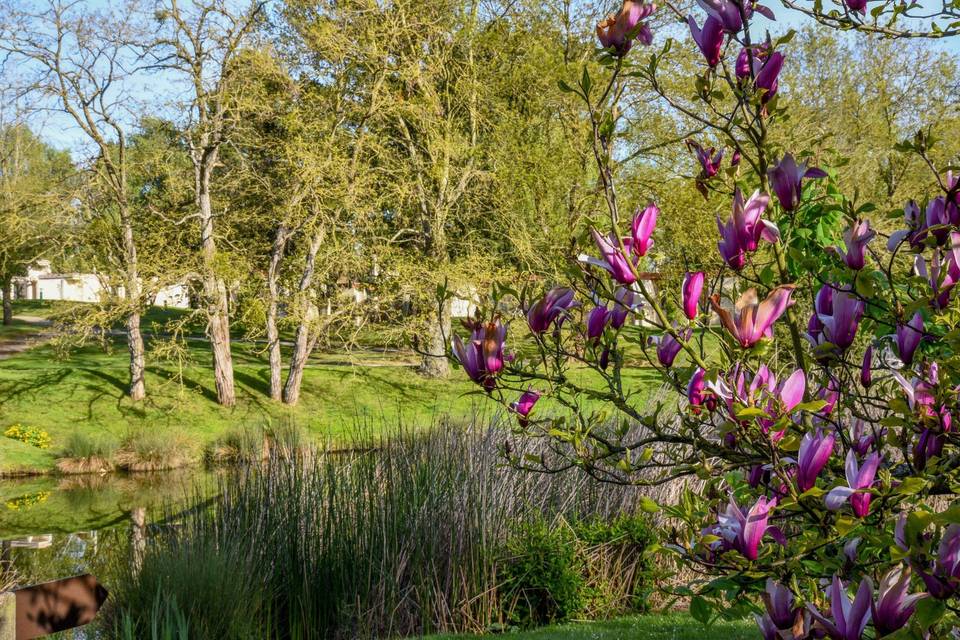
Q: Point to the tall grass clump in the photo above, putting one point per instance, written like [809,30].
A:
[424,533]
[86,453]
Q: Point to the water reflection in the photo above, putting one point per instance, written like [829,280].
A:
[57,527]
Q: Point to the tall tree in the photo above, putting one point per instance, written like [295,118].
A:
[78,63]
[199,42]
[35,181]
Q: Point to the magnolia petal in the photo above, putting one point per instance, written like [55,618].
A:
[837,497]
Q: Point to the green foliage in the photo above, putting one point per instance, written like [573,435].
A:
[542,573]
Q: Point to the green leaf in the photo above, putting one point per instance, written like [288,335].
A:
[929,611]
[813,406]
[700,609]
[649,505]
[751,412]
[911,486]
[585,82]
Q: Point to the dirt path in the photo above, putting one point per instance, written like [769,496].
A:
[21,342]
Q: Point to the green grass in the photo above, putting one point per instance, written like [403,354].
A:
[85,391]
[674,626]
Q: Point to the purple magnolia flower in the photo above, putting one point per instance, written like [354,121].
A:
[692,288]
[937,219]
[597,321]
[862,439]
[855,240]
[618,31]
[857,6]
[753,320]
[751,228]
[780,605]
[668,346]
[815,452]
[709,159]
[931,440]
[943,274]
[866,369]
[920,390]
[743,530]
[626,302]
[643,225]
[698,393]
[839,324]
[726,12]
[758,53]
[482,355]
[943,578]
[909,337]
[552,309]
[915,231]
[729,245]
[859,481]
[613,259]
[524,405]
[745,228]
[787,178]
[847,620]
[767,78]
[709,39]
[893,607]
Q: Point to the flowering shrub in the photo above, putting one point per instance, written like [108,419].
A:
[816,409]
[29,435]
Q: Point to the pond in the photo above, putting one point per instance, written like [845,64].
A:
[54,527]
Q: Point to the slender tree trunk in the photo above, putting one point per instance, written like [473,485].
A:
[303,343]
[273,335]
[214,289]
[138,364]
[434,363]
[7,301]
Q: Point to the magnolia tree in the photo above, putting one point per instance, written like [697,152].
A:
[813,380]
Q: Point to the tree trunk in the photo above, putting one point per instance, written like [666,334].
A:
[303,343]
[214,289]
[434,363]
[7,302]
[138,365]
[273,335]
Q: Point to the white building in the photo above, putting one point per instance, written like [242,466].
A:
[41,283]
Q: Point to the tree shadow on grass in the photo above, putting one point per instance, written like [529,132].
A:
[259,383]
[189,383]
[16,389]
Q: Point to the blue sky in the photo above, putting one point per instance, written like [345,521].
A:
[157,91]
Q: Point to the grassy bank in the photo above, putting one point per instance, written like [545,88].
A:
[673,626]
[84,392]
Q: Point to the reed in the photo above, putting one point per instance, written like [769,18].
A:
[406,538]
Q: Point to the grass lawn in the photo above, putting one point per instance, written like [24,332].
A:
[674,626]
[85,390]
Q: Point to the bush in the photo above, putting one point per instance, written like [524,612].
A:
[542,574]
[620,574]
